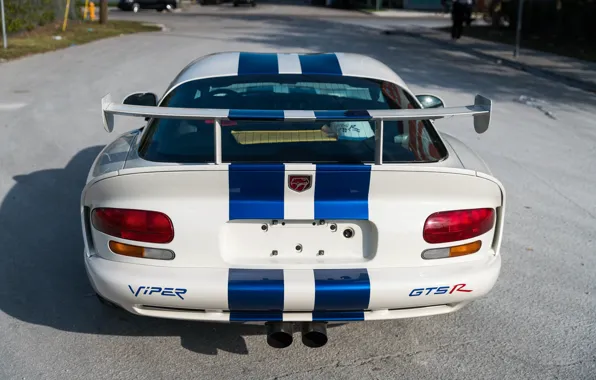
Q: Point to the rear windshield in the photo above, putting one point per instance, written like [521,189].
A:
[192,141]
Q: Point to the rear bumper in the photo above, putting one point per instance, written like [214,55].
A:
[338,295]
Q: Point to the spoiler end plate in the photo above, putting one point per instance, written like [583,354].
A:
[482,121]
[108,118]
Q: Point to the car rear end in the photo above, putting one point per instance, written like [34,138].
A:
[297,223]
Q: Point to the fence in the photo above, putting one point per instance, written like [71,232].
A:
[28,14]
[567,20]
[570,19]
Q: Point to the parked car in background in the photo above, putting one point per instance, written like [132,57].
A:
[251,2]
[137,5]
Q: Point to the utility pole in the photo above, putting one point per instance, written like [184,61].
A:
[3,25]
[103,11]
[519,25]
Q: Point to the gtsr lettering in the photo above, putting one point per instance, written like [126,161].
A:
[149,290]
[439,290]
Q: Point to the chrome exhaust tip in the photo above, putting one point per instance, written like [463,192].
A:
[279,334]
[314,334]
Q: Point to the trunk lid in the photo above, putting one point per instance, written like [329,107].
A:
[297,215]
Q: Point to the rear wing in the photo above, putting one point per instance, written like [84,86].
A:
[480,110]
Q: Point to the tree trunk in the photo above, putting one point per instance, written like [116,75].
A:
[103,12]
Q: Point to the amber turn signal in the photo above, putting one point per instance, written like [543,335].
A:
[466,249]
[125,249]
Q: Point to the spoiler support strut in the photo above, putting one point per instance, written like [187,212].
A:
[217,140]
[379,142]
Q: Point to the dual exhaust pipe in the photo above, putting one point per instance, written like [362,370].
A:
[280,334]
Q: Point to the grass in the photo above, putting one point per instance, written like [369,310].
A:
[573,48]
[42,39]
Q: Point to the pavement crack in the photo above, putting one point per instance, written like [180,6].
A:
[336,364]
[361,362]
[532,364]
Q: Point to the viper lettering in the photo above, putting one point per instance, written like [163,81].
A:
[150,290]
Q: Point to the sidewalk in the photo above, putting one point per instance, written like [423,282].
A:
[574,72]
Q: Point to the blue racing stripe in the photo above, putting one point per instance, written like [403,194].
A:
[256,191]
[256,316]
[341,289]
[337,316]
[257,63]
[341,191]
[237,114]
[326,64]
[343,115]
[255,290]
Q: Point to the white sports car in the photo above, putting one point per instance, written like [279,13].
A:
[291,190]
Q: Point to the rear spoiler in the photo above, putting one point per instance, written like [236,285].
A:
[480,110]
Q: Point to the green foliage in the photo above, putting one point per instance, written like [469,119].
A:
[78,33]
[28,14]
[563,21]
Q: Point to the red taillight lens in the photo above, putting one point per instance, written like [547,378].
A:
[448,226]
[139,225]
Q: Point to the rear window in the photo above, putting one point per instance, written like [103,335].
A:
[192,141]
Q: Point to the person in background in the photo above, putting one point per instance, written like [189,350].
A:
[460,13]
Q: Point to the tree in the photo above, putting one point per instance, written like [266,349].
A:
[103,11]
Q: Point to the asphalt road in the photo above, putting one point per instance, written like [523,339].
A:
[539,322]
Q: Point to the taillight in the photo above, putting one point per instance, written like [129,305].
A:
[139,225]
[448,226]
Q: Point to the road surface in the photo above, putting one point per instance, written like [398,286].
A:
[538,323]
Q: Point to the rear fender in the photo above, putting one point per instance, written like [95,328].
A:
[498,239]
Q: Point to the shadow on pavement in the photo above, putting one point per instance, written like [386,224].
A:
[42,275]
[421,63]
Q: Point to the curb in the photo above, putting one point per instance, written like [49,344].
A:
[161,26]
[404,15]
[363,12]
[509,62]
